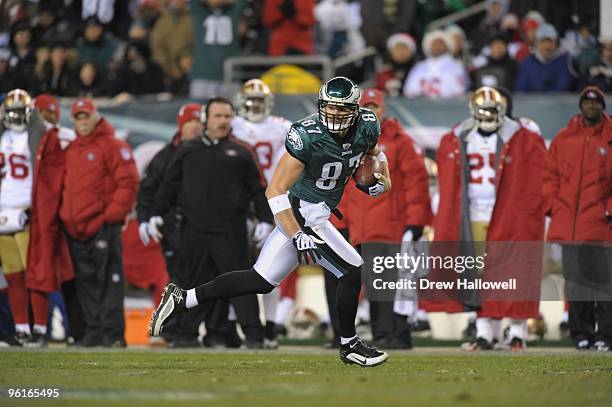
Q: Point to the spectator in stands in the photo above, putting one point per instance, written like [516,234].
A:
[180,85]
[489,25]
[97,46]
[88,83]
[401,49]
[103,10]
[579,201]
[546,70]
[99,190]
[460,49]
[138,74]
[338,28]
[439,75]
[531,23]
[57,76]
[6,80]
[499,68]
[171,38]
[50,27]
[382,18]
[214,45]
[599,73]
[23,58]
[291,24]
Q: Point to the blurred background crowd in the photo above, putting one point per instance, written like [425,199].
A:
[117,47]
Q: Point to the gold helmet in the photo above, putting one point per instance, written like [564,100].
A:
[488,108]
[16,110]
[255,101]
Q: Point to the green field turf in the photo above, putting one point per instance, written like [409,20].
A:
[309,376]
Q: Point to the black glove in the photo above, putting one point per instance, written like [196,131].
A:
[417,232]
[287,7]
[307,249]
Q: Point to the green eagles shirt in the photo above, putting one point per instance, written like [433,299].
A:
[215,34]
[329,160]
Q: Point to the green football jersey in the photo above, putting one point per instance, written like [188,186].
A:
[329,161]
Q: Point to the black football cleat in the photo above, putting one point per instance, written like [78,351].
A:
[358,353]
[173,301]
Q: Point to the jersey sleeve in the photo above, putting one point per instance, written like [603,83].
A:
[370,127]
[297,143]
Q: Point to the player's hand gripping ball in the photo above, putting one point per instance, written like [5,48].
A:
[364,174]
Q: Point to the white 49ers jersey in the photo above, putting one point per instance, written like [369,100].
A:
[16,167]
[266,137]
[481,178]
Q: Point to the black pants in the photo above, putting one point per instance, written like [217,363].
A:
[99,284]
[202,257]
[587,270]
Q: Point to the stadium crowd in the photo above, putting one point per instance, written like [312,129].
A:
[119,47]
[75,220]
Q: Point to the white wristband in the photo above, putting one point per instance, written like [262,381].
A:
[381,156]
[279,203]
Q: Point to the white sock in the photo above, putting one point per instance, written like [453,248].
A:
[498,329]
[565,316]
[40,329]
[517,328]
[344,341]
[283,310]
[192,299]
[25,328]
[421,315]
[484,329]
[231,314]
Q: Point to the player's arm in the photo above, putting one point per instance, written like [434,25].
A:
[287,173]
[385,177]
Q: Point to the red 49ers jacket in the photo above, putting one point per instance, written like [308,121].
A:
[100,184]
[578,182]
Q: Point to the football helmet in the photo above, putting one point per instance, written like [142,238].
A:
[16,110]
[338,104]
[488,108]
[255,101]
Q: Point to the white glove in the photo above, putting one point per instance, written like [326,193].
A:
[377,189]
[261,233]
[307,248]
[153,228]
[143,232]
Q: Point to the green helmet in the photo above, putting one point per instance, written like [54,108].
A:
[342,93]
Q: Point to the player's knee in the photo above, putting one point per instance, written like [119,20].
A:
[262,285]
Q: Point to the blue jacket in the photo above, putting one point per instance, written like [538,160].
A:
[550,76]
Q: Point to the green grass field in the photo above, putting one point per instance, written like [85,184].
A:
[296,376]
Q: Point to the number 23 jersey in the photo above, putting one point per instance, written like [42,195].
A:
[329,160]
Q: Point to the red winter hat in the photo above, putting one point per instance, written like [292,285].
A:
[593,93]
[83,105]
[48,102]
[372,96]
[191,111]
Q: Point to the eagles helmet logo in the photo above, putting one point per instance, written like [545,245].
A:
[294,138]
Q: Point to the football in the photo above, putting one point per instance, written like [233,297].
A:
[364,174]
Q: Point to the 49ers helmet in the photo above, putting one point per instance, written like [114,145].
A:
[16,110]
[255,101]
[488,108]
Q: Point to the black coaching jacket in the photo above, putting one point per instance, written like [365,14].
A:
[212,185]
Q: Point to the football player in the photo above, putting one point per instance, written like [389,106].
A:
[33,252]
[488,163]
[322,151]
[255,125]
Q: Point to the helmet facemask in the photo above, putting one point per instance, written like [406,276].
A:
[255,101]
[488,108]
[343,117]
[16,110]
[339,104]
